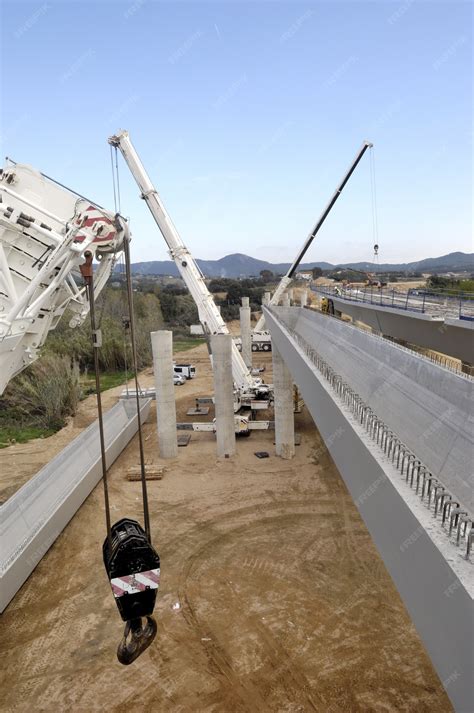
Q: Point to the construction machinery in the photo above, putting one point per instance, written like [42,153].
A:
[45,231]
[260,342]
[286,280]
[243,426]
[371,279]
[48,235]
[247,386]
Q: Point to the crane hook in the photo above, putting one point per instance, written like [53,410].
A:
[141,636]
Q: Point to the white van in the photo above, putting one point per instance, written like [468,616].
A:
[186,370]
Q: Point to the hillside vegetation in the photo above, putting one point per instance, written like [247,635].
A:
[39,399]
[238,265]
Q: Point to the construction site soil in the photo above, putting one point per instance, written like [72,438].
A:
[273,596]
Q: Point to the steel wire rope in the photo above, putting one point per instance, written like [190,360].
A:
[128,274]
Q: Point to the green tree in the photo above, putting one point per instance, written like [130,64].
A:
[234,293]
[267,275]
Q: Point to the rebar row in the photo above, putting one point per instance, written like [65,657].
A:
[456,522]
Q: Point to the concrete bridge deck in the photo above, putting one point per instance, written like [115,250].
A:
[399,429]
[438,328]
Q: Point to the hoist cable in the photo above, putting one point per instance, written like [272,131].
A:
[95,349]
[118,178]
[146,514]
[113,177]
[375,230]
[124,332]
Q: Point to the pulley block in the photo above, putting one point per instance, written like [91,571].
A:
[133,569]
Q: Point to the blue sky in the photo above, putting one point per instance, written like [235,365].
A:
[247,114]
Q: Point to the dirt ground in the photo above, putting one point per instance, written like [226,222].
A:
[272,597]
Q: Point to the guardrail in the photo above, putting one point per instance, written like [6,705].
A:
[438,304]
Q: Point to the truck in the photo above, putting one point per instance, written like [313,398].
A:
[261,341]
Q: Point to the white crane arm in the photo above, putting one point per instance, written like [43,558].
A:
[285,281]
[274,300]
[209,314]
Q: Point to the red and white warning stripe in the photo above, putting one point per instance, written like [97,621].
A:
[133,583]
[94,215]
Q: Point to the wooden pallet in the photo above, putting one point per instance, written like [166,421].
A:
[152,472]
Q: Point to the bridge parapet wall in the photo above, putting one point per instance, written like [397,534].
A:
[426,405]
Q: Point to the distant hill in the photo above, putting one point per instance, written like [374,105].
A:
[238,265]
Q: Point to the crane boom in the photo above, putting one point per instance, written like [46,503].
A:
[189,270]
[285,281]
[45,231]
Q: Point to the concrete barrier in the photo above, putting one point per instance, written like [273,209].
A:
[426,405]
[32,519]
[454,337]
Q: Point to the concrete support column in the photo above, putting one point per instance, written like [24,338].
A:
[246,332]
[285,300]
[284,417]
[266,298]
[304,298]
[162,346]
[221,346]
[291,295]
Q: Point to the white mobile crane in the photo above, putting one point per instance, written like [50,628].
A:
[247,386]
[286,280]
[45,231]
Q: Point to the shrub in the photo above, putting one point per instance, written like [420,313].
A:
[46,393]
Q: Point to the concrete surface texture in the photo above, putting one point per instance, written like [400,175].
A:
[34,517]
[162,345]
[428,407]
[246,332]
[452,337]
[303,298]
[272,598]
[283,406]
[435,583]
[221,345]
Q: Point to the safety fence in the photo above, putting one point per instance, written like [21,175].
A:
[438,304]
[455,521]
